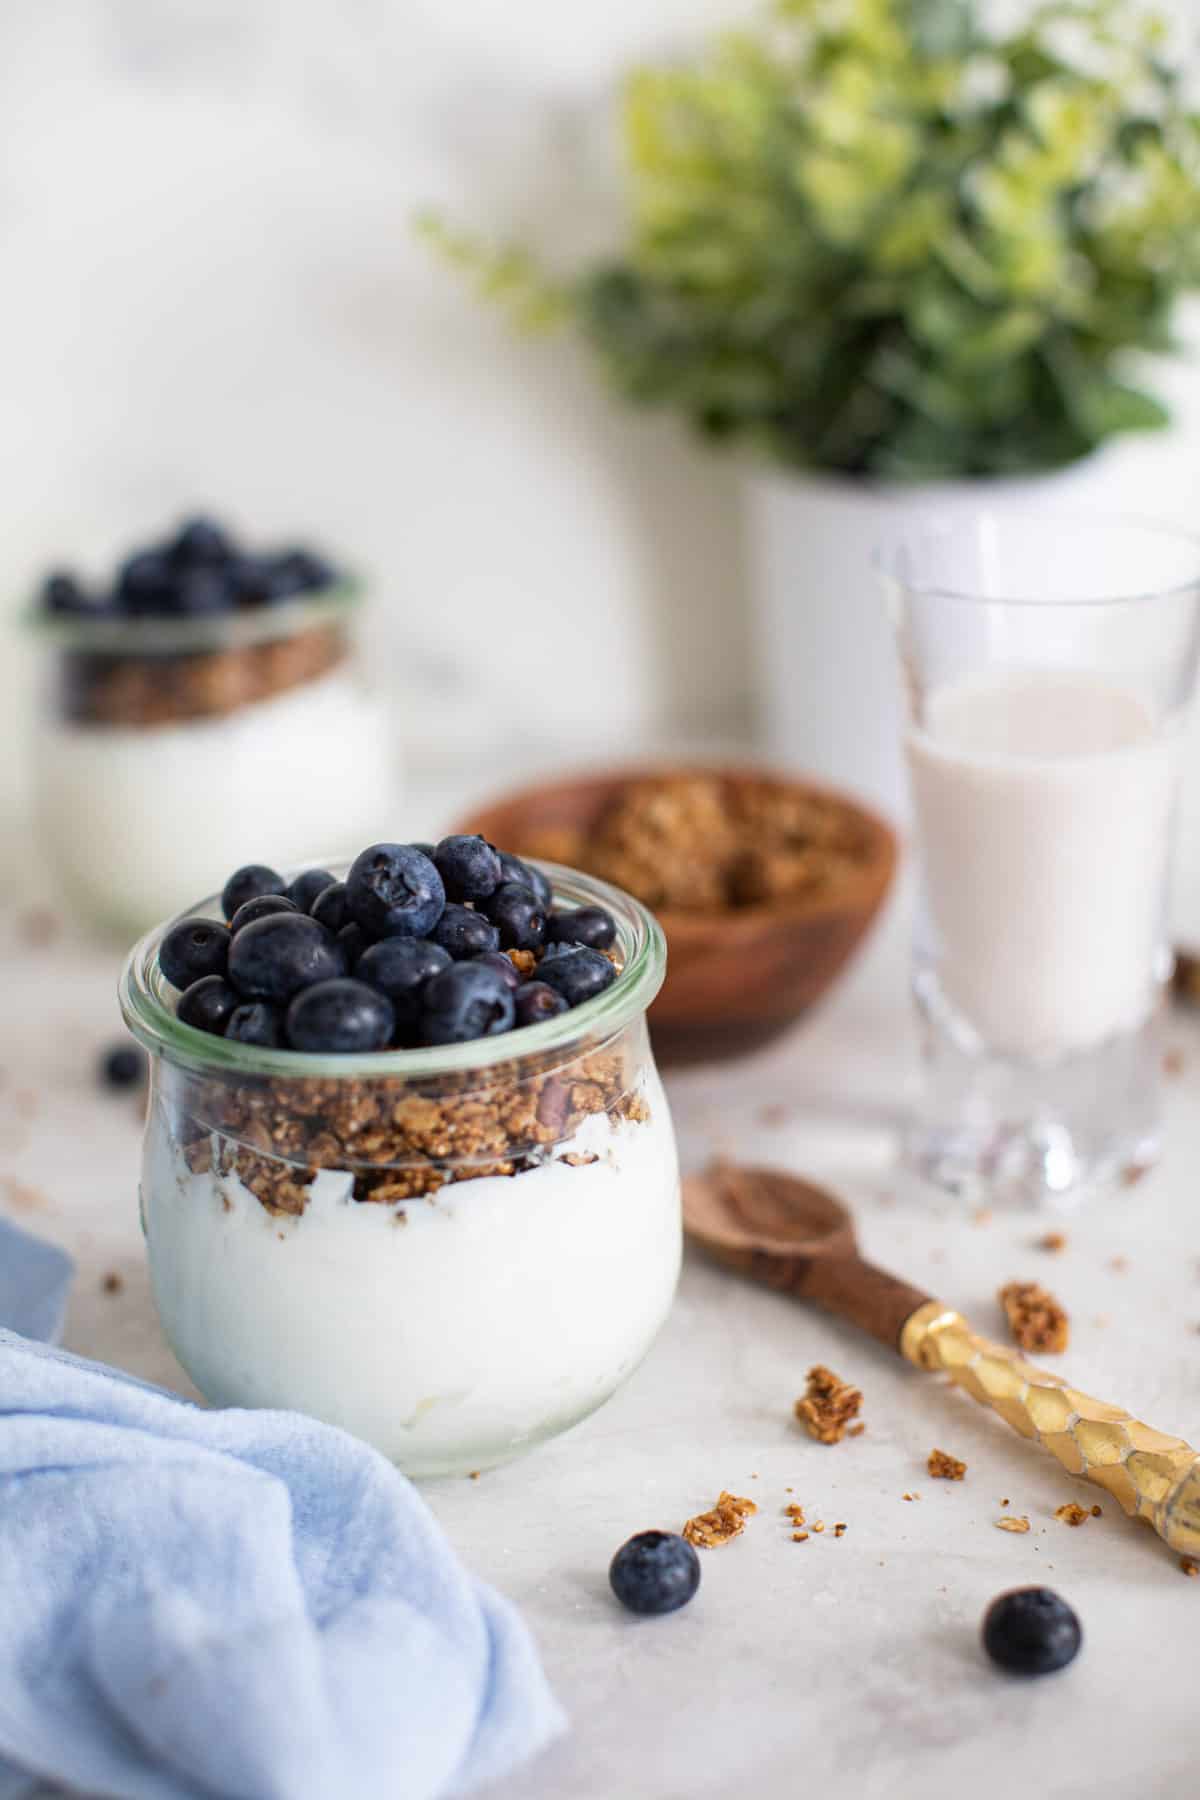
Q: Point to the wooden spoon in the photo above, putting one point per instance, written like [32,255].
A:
[799,1239]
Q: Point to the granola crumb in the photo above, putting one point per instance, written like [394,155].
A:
[827,1406]
[23,1198]
[818,1525]
[1097,1512]
[795,1513]
[112,1283]
[1035,1318]
[1054,1241]
[799,1537]
[1071,1513]
[38,927]
[910,1496]
[774,1115]
[725,1520]
[856,1430]
[839,1530]
[1189,1565]
[474,1475]
[944,1467]
[1006,1501]
[1012,1523]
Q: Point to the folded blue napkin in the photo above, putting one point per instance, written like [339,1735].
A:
[249,1604]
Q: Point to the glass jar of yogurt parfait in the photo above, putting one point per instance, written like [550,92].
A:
[171,745]
[453,1252]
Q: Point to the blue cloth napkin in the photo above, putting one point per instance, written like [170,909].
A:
[35,1279]
[249,1604]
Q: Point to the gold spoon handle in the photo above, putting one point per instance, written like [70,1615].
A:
[1152,1476]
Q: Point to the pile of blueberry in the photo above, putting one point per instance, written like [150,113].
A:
[198,572]
[408,950]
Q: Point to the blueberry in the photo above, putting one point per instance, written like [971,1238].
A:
[469,867]
[247,884]
[655,1572]
[274,958]
[1031,1631]
[261,907]
[589,925]
[576,972]
[199,541]
[193,948]
[200,592]
[464,1002]
[504,967]
[343,1016]
[513,869]
[306,887]
[518,914]
[465,933]
[123,1066]
[306,571]
[208,1004]
[393,890]
[329,907]
[283,576]
[249,579]
[146,583]
[254,1022]
[399,968]
[536,1001]
[353,941]
[62,593]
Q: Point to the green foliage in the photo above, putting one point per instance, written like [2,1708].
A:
[867,236]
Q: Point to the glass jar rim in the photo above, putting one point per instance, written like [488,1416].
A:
[156,1026]
[929,529]
[150,634]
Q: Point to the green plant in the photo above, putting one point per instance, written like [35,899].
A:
[869,236]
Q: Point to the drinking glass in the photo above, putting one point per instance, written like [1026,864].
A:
[1047,663]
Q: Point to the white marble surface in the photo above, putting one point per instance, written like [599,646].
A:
[848,1666]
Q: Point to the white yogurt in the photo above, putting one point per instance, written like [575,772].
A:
[449,1331]
[1043,808]
[138,821]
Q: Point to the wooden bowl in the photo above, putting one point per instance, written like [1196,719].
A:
[735,979]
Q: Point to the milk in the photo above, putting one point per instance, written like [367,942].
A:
[1043,805]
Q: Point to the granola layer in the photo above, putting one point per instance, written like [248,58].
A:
[101,688]
[400,1143]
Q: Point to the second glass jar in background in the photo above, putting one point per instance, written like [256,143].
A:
[169,751]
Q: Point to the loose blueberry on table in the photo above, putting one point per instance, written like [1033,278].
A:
[409,950]
[123,1066]
[655,1572]
[1031,1631]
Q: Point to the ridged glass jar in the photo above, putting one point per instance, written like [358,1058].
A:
[453,1252]
[168,751]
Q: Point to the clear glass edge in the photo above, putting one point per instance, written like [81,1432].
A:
[149,635]
[158,1030]
[928,529]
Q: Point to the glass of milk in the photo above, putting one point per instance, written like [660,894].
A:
[1048,663]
